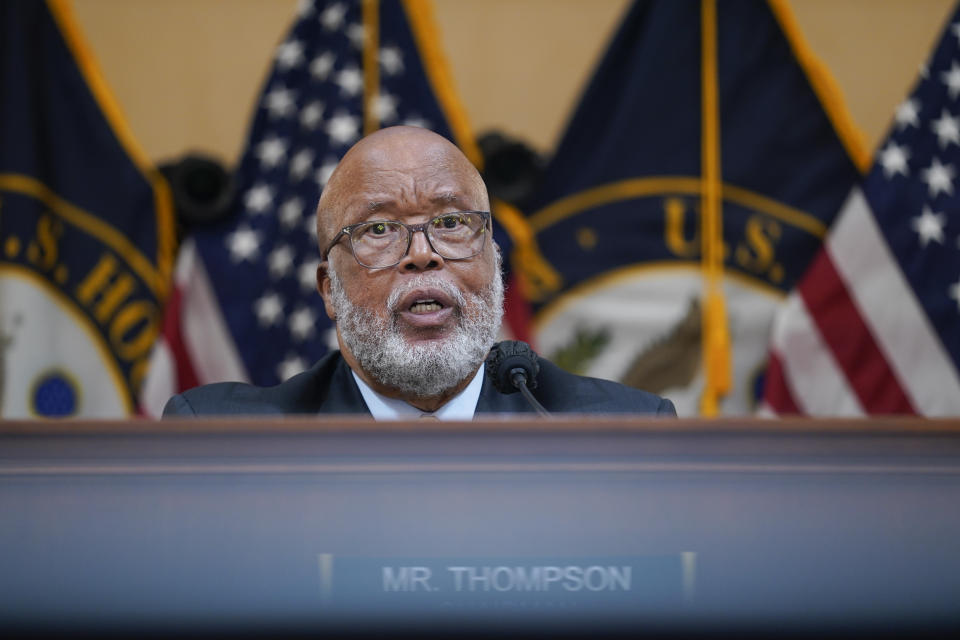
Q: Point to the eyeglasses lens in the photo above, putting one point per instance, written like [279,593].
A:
[454,236]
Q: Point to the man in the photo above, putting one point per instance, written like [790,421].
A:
[411,278]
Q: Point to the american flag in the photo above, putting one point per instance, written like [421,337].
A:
[245,305]
[874,325]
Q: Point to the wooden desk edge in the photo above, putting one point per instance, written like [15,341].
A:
[566,424]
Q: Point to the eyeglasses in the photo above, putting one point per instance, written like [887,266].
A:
[383,243]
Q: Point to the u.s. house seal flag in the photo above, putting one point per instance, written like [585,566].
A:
[695,182]
[86,229]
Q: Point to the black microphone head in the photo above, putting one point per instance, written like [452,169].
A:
[506,356]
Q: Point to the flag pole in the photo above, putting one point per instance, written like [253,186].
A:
[716,336]
[371,65]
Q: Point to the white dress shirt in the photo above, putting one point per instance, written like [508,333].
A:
[460,407]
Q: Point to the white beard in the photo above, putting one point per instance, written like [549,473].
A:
[421,370]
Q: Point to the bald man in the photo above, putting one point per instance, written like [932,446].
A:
[410,276]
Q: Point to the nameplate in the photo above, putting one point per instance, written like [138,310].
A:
[417,585]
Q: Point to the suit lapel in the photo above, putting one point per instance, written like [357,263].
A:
[328,388]
[492,401]
[343,394]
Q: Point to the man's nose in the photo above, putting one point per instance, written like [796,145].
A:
[421,255]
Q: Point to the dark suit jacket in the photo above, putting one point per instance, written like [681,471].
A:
[329,387]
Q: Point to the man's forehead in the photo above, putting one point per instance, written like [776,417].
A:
[402,166]
[378,187]
[440,182]
[437,160]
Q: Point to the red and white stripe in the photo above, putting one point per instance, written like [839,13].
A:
[853,339]
[195,346]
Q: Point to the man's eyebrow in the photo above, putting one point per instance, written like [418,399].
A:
[446,198]
[375,206]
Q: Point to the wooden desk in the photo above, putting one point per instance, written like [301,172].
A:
[575,523]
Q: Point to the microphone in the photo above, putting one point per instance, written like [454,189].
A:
[512,366]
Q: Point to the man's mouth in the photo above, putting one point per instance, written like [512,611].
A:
[426,309]
[424,300]
[425,306]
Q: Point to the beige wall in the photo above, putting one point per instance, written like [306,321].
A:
[186,72]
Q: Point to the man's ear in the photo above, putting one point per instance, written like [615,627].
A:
[323,286]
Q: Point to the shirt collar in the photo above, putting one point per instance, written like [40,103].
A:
[460,407]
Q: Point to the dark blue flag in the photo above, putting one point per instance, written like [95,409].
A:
[246,306]
[703,165]
[86,228]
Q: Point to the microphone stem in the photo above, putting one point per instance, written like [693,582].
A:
[533,401]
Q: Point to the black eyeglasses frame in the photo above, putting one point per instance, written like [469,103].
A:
[412,229]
